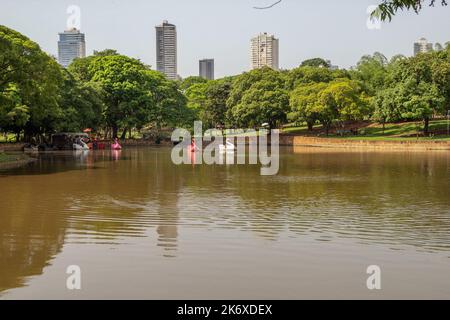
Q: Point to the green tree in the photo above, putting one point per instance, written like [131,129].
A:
[316,62]
[257,97]
[371,71]
[388,104]
[170,104]
[348,99]
[262,103]
[303,103]
[388,8]
[106,52]
[13,114]
[340,100]
[190,81]
[416,89]
[215,107]
[82,105]
[308,74]
[29,80]
[423,100]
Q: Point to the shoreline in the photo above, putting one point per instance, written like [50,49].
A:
[405,145]
[292,140]
[18,161]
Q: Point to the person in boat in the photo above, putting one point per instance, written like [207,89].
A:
[228,146]
[116,145]
[193,146]
[95,143]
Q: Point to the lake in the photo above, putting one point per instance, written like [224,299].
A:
[140,227]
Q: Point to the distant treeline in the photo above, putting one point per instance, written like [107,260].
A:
[113,93]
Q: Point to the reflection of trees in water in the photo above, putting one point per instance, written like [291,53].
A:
[167,183]
[27,241]
[89,206]
[134,194]
[398,198]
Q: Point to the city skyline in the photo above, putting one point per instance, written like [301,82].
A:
[342,36]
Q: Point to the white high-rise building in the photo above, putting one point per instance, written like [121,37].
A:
[422,46]
[166,50]
[71,45]
[265,51]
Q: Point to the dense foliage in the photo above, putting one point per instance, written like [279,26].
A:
[105,91]
[115,94]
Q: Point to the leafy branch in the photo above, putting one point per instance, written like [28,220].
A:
[388,8]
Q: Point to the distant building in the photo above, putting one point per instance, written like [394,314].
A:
[206,69]
[71,45]
[422,46]
[438,47]
[265,52]
[332,66]
[166,50]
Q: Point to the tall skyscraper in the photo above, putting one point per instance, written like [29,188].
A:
[206,69]
[166,50]
[71,45]
[422,46]
[264,51]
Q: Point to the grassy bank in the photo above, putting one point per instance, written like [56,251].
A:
[8,157]
[8,161]
[406,131]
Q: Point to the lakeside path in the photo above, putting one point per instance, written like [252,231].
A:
[407,145]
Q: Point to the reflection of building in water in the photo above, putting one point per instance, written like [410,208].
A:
[167,239]
[167,183]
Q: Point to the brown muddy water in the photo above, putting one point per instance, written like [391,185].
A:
[140,227]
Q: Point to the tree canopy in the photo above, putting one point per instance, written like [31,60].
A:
[29,85]
[258,97]
[415,89]
[116,94]
[339,100]
[316,62]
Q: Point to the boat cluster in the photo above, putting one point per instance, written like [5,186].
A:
[71,141]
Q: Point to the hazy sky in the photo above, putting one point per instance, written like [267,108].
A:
[221,29]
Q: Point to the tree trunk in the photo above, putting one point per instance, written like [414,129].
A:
[124,134]
[310,126]
[327,128]
[426,126]
[115,131]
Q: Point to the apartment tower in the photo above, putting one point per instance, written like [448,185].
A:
[166,50]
